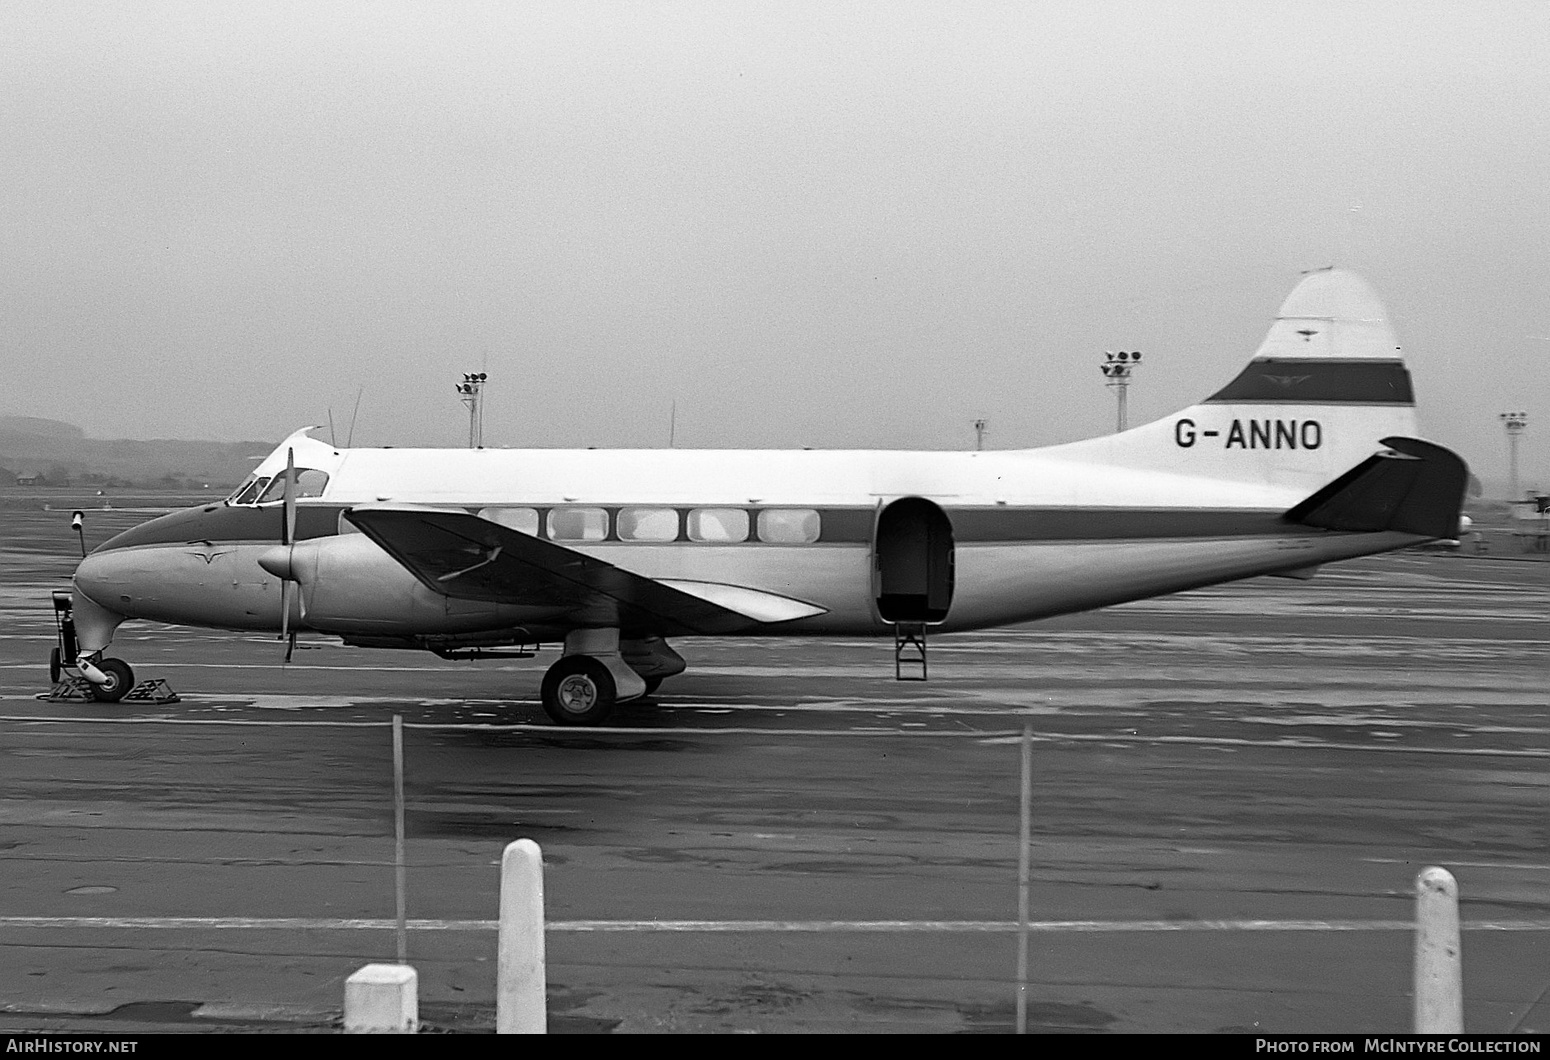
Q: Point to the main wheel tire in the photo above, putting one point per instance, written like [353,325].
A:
[120,680]
[579,690]
[56,669]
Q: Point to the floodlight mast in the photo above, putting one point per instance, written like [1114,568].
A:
[1116,367]
[1516,423]
[469,392]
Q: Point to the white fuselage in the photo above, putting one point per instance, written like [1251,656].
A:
[1034,534]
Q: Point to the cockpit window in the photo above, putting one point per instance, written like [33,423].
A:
[248,492]
[309,483]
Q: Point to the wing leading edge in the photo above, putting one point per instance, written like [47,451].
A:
[458,554]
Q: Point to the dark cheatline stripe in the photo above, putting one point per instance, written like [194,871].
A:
[219,523]
[1318,381]
[1098,524]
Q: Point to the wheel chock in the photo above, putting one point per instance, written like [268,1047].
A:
[72,689]
[153,691]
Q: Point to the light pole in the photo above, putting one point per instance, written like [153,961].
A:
[469,392]
[1117,367]
[979,434]
[1515,422]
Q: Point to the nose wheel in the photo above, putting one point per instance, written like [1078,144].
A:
[120,679]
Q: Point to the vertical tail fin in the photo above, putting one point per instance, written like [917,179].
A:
[1323,390]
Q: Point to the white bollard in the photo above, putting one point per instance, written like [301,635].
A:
[1439,961]
[382,999]
[520,1006]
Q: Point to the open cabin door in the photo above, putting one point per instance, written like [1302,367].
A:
[912,573]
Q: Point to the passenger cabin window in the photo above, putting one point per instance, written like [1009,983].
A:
[524,520]
[309,483]
[788,526]
[647,524]
[718,524]
[578,524]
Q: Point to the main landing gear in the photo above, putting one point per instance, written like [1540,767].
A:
[598,671]
[108,680]
[579,690]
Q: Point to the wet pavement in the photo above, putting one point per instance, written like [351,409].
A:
[1233,791]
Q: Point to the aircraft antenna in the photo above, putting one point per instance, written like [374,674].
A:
[333,439]
[351,440]
[672,425]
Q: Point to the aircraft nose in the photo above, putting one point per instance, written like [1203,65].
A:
[138,583]
[103,576]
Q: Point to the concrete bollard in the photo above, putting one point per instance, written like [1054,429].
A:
[1439,962]
[382,999]
[520,1007]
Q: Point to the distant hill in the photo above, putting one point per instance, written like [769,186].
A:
[63,455]
[39,426]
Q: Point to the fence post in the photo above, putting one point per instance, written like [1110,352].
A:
[520,980]
[1439,964]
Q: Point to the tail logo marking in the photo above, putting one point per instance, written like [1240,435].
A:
[1286,382]
[1254,434]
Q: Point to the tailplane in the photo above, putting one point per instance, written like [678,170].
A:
[1414,487]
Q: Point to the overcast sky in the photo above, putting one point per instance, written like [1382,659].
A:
[824,224]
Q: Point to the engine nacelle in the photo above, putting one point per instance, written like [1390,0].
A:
[349,585]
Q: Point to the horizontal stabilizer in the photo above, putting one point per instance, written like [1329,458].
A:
[1414,488]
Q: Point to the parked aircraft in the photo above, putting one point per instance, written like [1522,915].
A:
[1307,456]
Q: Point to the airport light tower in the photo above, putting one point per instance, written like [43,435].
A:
[1117,367]
[1515,422]
[469,391]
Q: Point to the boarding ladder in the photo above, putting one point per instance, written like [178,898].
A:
[909,651]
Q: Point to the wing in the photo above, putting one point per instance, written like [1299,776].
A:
[461,555]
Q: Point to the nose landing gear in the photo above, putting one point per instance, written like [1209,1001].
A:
[110,679]
[104,680]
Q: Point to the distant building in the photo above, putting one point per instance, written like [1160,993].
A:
[1532,506]
[30,478]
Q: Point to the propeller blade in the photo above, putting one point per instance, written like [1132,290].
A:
[289,537]
[286,633]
